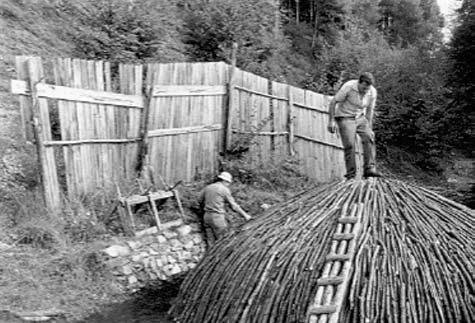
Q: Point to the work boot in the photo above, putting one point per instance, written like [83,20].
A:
[371,172]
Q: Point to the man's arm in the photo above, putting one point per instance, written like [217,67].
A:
[236,206]
[340,96]
[370,110]
[331,118]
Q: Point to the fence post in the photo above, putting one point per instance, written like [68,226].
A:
[229,106]
[290,121]
[25,102]
[42,132]
[143,144]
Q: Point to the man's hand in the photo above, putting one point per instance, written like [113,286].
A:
[247,217]
[331,126]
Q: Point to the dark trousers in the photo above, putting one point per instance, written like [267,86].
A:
[349,127]
[215,226]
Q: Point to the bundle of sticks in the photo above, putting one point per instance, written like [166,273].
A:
[413,260]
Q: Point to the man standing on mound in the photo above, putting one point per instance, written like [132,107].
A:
[354,115]
[212,201]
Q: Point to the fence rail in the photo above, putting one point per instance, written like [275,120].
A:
[176,118]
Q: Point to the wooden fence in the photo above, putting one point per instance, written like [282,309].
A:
[175,118]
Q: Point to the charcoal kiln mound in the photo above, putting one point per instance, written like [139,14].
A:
[375,250]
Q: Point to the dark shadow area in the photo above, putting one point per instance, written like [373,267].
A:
[149,305]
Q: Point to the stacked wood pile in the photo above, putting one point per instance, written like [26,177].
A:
[412,261]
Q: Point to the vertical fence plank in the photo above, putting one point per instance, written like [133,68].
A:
[103,157]
[131,82]
[301,146]
[62,76]
[25,102]
[281,120]
[230,100]
[41,119]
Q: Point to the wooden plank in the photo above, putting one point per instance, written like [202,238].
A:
[317,141]
[90,168]
[211,106]
[158,116]
[280,116]
[100,125]
[42,126]
[58,92]
[178,201]
[310,107]
[230,100]
[69,128]
[291,123]
[335,280]
[80,157]
[300,147]
[322,309]
[134,75]
[89,141]
[94,127]
[262,133]
[154,211]
[260,93]
[144,124]
[26,112]
[343,236]
[347,220]
[188,90]
[336,257]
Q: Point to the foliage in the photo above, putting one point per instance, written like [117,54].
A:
[212,27]
[409,22]
[461,77]
[128,31]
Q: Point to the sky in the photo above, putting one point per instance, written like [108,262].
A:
[447,8]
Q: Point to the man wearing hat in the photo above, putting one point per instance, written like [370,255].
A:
[356,101]
[213,200]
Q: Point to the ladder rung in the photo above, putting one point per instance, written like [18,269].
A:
[336,280]
[346,220]
[335,257]
[343,236]
[322,309]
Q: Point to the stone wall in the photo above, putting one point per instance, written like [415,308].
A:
[138,261]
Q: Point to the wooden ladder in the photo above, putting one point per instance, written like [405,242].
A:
[333,283]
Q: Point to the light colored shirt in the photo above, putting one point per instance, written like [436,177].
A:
[215,196]
[350,103]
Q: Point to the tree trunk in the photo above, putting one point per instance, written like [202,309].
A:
[297,11]
[277,19]
[315,27]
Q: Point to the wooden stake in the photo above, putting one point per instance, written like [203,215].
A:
[143,147]
[291,122]
[42,132]
[230,98]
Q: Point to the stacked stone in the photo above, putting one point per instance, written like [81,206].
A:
[138,261]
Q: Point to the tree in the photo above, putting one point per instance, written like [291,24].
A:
[461,78]
[409,22]
[212,27]
[120,30]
